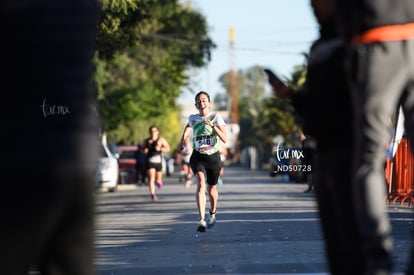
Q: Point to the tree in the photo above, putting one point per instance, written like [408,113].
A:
[250,86]
[144,48]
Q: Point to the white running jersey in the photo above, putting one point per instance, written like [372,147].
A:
[205,139]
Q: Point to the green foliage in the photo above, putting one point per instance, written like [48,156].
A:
[298,77]
[135,131]
[276,118]
[120,5]
[250,84]
[144,48]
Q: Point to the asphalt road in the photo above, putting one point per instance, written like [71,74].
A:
[264,225]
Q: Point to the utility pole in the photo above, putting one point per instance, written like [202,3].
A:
[234,128]
[234,98]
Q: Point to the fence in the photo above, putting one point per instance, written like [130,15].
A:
[399,174]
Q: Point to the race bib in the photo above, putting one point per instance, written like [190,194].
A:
[155,159]
[205,142]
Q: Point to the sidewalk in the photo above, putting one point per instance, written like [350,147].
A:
[264,226]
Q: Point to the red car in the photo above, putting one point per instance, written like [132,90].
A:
[127,163]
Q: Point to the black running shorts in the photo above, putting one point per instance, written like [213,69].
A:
[208,164]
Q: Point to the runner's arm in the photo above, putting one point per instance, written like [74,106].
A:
[186,132]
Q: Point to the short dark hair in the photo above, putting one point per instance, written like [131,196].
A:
[152,127]
[202,93]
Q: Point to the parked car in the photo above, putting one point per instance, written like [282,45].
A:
[113,148]
[107,174]
[127,162]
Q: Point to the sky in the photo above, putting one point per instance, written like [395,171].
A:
[268,33]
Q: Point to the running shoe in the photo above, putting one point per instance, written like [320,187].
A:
[212,220]
[202,226]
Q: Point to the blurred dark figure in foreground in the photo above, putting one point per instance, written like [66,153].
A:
[379,64]
[309,147]
[49,137]
[328,121]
